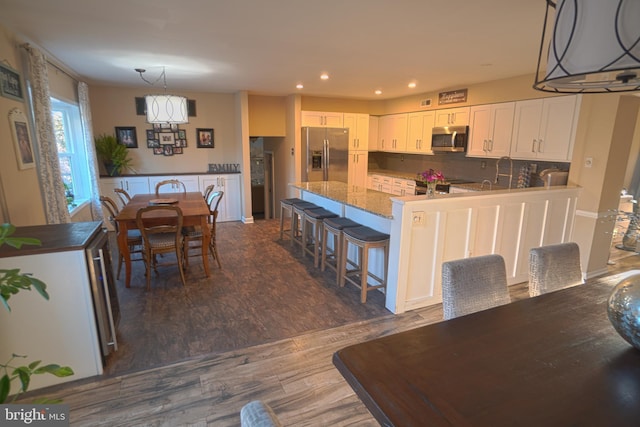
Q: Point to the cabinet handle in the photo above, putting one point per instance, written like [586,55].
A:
[491,145]
[540,141]
[533,146]
[484,145]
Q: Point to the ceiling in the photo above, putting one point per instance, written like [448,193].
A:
[267,47]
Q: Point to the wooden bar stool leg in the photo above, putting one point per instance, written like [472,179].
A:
[364,273]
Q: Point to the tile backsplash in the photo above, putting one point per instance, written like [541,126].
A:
[458,166]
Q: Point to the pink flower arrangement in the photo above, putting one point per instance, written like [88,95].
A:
[431,175]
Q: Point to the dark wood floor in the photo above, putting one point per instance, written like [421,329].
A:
[264,292]
[294,375]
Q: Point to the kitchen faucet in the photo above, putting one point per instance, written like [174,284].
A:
[510,174]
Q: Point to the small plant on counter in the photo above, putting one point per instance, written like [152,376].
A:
[12,282]
[430,176]
[114,155]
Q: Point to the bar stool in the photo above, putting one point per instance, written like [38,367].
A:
[314,218]
[297,217]
[331,257]
[364,238]
[286,206]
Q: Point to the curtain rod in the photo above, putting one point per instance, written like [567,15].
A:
[27,47]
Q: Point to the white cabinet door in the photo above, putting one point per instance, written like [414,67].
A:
[419,127]
[358,125]
[544,128]
[452,117]
[229,208]
[491,130]
[190,182]
[393,130]
[132,185]
[358,167]
[322,119]
[374,122]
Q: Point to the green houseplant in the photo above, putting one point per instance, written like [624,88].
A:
[12,282]
[114,155]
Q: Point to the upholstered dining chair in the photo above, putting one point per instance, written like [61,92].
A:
[554,267]
[134,238]
[123,196]
[176,186]
[160,235]
[193,234]
[258,414]
[473,284]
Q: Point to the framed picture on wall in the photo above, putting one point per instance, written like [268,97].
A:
[21,139]
[167,138]
[10,83]
[168,150]
[126,136]
[158,150]
[204,138]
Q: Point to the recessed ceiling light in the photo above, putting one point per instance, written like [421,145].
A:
[324,76]
[299,86]
[412,85]
[378,92]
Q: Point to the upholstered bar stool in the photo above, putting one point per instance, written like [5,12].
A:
[312,226]
[365,239]
[330,257]
[297,217]
[286,205]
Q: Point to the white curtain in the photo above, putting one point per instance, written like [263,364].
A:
[92,159]
[48,164]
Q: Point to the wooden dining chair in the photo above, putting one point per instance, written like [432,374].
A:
[193,234]
[176,186]
[161,234]
[473,284]
[258,414]
[134,238]
[554,267]
[208,190]
[123,196]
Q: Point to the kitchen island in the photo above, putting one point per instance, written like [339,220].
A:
[428,231]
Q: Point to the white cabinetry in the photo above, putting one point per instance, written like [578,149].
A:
[132,185]
[419,130]
[393,132]
[381,183]
[230,205]
[373,133]
[544,128]
[322,119]
[358,166]
[491,128]
[403,187]
[190,182]
[452,117]
[358,125]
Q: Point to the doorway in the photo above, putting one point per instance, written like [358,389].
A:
[263,177]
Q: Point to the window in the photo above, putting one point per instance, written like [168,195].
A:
[67,128]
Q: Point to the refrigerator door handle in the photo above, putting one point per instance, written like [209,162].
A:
[327,162]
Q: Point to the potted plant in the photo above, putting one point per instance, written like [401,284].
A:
[114,155]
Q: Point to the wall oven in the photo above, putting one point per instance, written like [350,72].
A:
[451,139]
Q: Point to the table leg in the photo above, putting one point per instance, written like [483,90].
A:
[206,237]
[123,246]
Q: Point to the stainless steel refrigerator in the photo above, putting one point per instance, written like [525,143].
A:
[325,154]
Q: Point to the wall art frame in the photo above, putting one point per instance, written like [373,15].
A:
[126,135]
[10,83]
[22,139]
[205,138]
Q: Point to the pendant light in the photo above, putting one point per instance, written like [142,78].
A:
[164,108]
[590,46]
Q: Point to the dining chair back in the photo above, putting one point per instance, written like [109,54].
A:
[177,186]
[123,196]
[161,228]
[207,191]
[193,234]
[554,267]
[473,284]
[258,414]
[134,238]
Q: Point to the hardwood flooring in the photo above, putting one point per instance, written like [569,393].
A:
[294,375]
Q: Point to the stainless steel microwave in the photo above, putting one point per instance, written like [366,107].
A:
[449,139]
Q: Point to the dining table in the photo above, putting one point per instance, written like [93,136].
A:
[551,360]
[194,212]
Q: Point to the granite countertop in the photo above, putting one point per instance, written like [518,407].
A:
[393,174]
[371,201]
[53,238]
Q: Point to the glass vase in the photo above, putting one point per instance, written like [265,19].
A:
[431,189]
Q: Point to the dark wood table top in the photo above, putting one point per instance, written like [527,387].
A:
[53,238]
[553,360]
